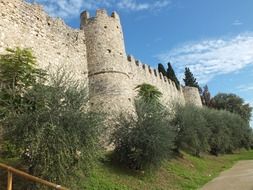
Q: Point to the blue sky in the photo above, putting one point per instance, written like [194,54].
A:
[212,37]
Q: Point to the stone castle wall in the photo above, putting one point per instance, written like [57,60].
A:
[95,54]
[54,43]
[143,73]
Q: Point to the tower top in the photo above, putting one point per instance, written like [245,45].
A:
[100,13]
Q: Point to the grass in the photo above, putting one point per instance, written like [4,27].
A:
[186,173]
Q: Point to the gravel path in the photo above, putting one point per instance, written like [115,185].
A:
[239,177]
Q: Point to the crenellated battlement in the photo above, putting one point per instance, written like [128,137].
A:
[95,54]
[146,71]
[101,14]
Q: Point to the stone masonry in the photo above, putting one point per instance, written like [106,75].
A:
[95,54]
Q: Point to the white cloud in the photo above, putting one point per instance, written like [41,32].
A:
[72,8]
[237,23]
[132,5]
[208,58]
[245,87]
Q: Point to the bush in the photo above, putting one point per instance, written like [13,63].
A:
[220,136]
[57,136]
[210,130]
[193,133]
[18,73]
[142,141]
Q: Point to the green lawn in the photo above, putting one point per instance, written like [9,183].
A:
[177,174]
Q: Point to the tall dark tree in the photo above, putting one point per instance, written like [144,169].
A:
[161,69]
[206,96]
[172,76]
[190,80]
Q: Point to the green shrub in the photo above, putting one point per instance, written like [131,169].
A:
[220,137]
[229,132]
[9,150]
[193,133]
[142,141]
[57,136]
[210,130]
[18,73]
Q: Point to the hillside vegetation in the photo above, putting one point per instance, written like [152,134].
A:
[49,132]
[187,173]
[180,173]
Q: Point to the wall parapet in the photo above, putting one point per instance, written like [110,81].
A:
[148,71]
[100,13]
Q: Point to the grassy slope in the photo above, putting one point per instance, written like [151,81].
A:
[183,173]
[187,173]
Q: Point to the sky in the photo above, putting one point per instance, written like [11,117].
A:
[214,38]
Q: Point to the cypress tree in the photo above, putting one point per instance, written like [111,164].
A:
[190,80]
[206,96]
[161,69]
[172,76]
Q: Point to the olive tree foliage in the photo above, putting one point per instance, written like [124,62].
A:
[52,131]
[18,73]
[232,103]
[193,133]
[142,141]
[58,136]
[210,130]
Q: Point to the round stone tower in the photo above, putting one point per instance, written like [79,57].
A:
[191,96]
[108,71]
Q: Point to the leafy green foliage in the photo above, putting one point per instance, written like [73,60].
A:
[190,80]
[58,137]
[193,133]
[204,129]
[18,73]
[149,93]
[47,124]
[232,103]
[145,140]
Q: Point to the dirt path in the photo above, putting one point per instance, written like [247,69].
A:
[239,177]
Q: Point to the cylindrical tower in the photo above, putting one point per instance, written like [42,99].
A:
[191,96]
[108,71]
